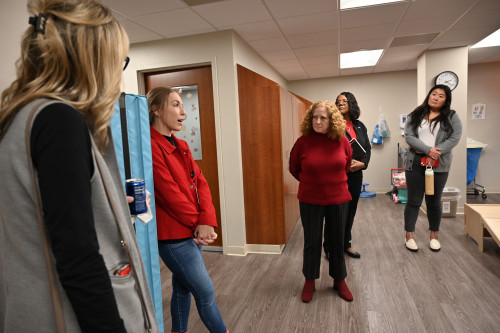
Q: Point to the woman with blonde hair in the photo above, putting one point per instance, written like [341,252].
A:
[69,256]
[319,160]
[185,214]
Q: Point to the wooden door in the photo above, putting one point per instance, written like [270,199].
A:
[202,77]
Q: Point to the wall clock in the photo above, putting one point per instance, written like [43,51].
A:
[448,78]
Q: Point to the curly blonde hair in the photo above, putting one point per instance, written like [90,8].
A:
[337,124]
[78,60]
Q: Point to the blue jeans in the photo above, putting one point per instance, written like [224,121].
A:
[190,276]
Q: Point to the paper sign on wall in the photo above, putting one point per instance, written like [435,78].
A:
[478,111]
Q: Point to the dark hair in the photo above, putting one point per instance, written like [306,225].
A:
[354,110]
[424,110]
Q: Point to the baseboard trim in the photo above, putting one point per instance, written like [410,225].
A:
[265,249]
[235,251]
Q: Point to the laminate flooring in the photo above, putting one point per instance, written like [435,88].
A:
[395,290]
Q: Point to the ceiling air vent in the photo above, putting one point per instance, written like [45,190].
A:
[414,39]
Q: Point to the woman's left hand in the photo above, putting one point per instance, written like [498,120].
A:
[204,234]
[356,165]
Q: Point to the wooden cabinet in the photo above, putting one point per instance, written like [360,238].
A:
[269,122]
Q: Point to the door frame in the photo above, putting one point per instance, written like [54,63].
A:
[218,141]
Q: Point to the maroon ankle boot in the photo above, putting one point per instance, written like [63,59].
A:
[343,290]
[307,291]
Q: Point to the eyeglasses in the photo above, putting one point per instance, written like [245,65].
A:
[127,60]
[341,102]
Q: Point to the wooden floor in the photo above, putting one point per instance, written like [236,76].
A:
[395,290]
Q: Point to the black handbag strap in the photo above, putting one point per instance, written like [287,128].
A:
[126,148]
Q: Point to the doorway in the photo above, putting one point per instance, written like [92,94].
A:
[202,78]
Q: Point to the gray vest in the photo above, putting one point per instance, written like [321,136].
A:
[25,301]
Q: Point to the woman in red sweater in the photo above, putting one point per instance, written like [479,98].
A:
[184,212]
[319,160]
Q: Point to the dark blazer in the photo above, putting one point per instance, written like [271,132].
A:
[362,137]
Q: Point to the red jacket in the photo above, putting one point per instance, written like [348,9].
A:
[178,211]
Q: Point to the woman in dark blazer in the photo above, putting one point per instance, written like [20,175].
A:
[355,129]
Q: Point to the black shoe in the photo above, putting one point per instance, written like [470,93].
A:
[353,254]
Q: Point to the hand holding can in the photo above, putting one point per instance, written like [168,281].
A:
[136,188]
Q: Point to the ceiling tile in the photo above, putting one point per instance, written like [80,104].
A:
[291,63]
[313,39]
[257,30]
[175,23]
[279,55]
[308,23]
[462,37]
[133,8]
[484,54]
[425,25]
[230,13]
[286,8]
[372,44]
[323,50]
[137,33]
[272,44]
[327,60]
[422,9]
[368,32]
[410,50]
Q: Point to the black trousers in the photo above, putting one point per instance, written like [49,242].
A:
[355,183]
[415,183]
[312,217]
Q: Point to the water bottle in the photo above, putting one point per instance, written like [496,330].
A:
[429,181]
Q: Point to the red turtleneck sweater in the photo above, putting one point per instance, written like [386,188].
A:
[321,166]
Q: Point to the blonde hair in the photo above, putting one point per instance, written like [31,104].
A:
[157,97]
[78,60]
[337,124]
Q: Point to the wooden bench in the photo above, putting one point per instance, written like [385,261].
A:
[482,221]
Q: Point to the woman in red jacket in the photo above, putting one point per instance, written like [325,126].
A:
[184,212]
[319,160]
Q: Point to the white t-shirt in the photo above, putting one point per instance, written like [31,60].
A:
[425,134]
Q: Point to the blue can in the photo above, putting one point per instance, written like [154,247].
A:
[136,188]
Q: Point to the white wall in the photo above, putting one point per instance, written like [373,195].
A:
[392,94]
[484,87]
[222,50]
[214,49]
[13,23]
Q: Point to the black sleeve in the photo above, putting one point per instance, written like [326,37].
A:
[61,154]
[365,142]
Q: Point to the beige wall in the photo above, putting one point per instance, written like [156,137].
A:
[13,23]
[484,87]
[222,50]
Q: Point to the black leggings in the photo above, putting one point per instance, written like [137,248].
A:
[312,221]
[415,182]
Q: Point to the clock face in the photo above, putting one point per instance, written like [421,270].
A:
[448,78]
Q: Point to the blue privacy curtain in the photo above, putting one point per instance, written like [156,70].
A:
[141,166]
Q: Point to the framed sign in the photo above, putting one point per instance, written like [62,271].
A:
[191,130]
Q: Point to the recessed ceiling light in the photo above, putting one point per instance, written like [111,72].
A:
[359,58]
[491,40]
[348,4]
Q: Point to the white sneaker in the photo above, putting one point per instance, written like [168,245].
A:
[411,245]
[435,245]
